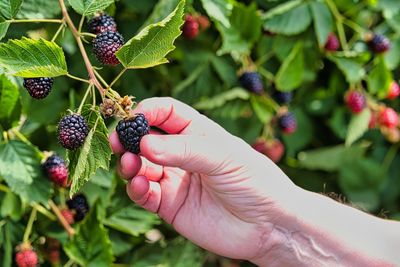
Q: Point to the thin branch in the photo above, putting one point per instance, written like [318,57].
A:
[35,20]
[78,39]
[59,30]
[117,78]
[28,228]
[61,218]
[77,78]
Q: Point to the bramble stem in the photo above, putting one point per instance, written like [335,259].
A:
[77,78]
[88,34]
[28,228]
[61,218]
[44,211]
[35,20]
[81,24]
[117,78]
[78,39]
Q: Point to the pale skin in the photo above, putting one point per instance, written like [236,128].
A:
[227,198]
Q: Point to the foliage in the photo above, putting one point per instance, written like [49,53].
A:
[284,40]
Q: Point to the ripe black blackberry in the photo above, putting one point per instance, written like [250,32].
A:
[56,170]
[131,130]
[252,82]
[38,88]
[80,205]
[72,131]
[379,43]
[287,123]
[102,23]
[282,97]
[105,45]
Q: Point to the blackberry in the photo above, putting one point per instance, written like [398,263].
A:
[191,27]
[102,23]
[282,97]
[38,88]
[379,43]
[355,101]
[130,132]
[72,131]
[26,258]
[252,82]
[80,205]
[332,43]
[56,170]
[105,45]
[287,123]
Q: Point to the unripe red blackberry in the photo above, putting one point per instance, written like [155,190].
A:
[38,88]
[105,45]
[355,101]
[388,117]
[191,27]
[332,43]
[379,43]
[80,205]
[68,216]
[131,130]
[72,131]
[102,23]
[26,258]
[394,91]
[56,170]
[273,149]
[287,123]
[252,82]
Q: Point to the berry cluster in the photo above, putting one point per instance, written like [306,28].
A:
[108,40]
[79,205]
[56,170]
[193,24]
[131,130]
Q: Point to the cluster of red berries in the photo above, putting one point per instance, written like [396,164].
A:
[108,40]
[193,25]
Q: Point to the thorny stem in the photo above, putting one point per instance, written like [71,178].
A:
[35,20]
[28,228]
[77,78]
[61,218]
[78,39]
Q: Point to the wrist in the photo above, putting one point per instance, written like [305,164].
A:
[313,230]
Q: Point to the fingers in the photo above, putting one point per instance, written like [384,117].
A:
[145,193]
[116,145]
[129,165]
[191,153]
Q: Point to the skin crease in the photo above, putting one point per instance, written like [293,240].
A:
[218,192]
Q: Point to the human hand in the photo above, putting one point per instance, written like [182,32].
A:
[210,185]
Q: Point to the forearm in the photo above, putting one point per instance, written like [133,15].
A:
[317,231]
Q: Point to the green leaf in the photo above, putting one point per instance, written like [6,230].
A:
[90,245]
[221,99]
[358,126]
[153,43]
[94,154]
[11,206]
[89,7]
[219,10]
[30,58]
[3,28]
[352,70]
[289,18]
[263,107]
[20,168]
[10,104]
[290,74]
[10,8]
[38,9]
[132,220]
[379,79]
[161,10]
[243,31]
[323,21]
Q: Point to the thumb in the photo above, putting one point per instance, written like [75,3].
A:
[188,152]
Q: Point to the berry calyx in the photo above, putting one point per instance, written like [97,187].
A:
[38,88]
[191,27]
[394,91]
[273,149]
[72,131]
[252,82]
[332,43]
[26,258]
[102,23]
[56,170]
[355,101]
[68,216]
[388,117]
[379,43]
[80,205]
[131,130]
[282,97]
[105,45]
[287,123]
